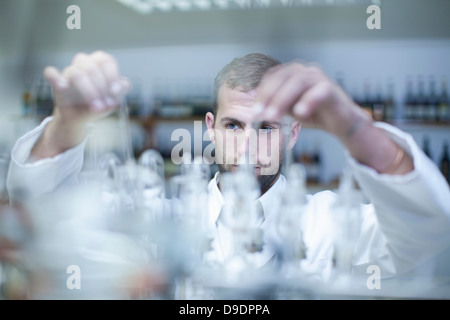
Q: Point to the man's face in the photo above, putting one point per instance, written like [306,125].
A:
[233,132]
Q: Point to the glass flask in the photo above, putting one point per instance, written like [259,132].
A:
[289,224]
[242,213]
[347,223]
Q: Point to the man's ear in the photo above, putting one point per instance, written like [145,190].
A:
[209,119]
[296,126]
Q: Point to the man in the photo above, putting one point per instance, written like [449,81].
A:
[406,226]
[381,157]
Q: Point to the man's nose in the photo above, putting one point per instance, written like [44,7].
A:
[248,145]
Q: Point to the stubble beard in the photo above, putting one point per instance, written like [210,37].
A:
[265,181]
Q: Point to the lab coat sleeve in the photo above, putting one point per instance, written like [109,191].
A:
[31,180]
[411,211]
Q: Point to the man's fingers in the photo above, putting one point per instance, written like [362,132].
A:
[126,84]
[282,89]
[290,93]
[119,88]
[87,65]
[55,78]
[273,80]
[313,99]
[110,69]
[87,92]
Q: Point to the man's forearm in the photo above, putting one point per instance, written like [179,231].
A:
[57,138]
[370,146]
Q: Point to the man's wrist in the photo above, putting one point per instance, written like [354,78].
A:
[58,136]
[366,143]
[370,146]
[64,135]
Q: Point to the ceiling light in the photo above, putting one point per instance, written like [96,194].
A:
[149,6]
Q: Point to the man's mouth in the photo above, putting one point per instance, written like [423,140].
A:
[256,168]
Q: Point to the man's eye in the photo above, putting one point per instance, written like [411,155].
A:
[266,129]
[231,126]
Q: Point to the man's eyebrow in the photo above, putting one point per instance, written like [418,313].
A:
[229,119]
[270,123]
[260,124]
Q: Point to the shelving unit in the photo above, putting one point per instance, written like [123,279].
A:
[330,158]
[150,123]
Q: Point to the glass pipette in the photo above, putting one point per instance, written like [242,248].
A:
[286,124]
[125,135]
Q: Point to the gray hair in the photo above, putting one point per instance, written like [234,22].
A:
[243,74]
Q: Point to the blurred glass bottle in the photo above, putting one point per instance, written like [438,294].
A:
[389,107]
[378,104]
[27,98]
[242,213]
[366,102]
[426,147]
[347,223]
[44,99]
[432,102]
[135,100]
[289,223]
[189,193]
[443,104]
[445,162]
[410,100]
[420,110]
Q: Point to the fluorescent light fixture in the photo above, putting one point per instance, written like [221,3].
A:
[149,6]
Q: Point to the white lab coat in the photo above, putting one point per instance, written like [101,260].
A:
[405,228]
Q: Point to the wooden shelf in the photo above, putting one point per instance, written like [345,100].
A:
[150,121]
[418,123]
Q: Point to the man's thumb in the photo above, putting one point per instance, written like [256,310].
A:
[55,78]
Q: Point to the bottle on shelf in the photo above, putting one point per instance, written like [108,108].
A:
[27,98]
[444,163]
[157,95]
[443,113]
[44,99]
[311,160]
[389,106]
[419,113]
[134,99]
[378,105]
[356,95]
[426,147]
[173,100]
[366,102]
[200,99]
[315,167]
[432,102]
[410,100]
